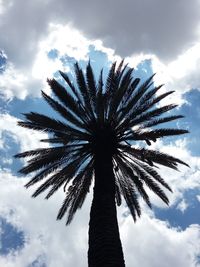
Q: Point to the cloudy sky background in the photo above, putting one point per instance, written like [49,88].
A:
[37,38]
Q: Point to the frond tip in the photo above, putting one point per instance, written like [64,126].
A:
[101,120]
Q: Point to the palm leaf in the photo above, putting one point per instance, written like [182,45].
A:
[91,84]
[83,89]
[61,177]
[124,165]
[128,123]
[118,96]
[155,122]
[66,98]
[154,134]
[150,183]
[68,115]
[130,196]
[80,191]
[67,174]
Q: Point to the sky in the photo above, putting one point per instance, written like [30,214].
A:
[40,37]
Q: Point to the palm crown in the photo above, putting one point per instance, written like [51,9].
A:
[101,122]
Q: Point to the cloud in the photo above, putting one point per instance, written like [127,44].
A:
[134,28]
[27,139]
[61,246]
[4,5]
[3,59]
[68,43]
[129,28]
[182,206]
[147,26]
[14,83]
[18,81]
[21,30]
[180,181]
[181,74]
[151,242]
[22,81]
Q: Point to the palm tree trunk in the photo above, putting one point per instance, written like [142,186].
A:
[105,249]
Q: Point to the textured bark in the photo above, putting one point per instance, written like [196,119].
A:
[105,248]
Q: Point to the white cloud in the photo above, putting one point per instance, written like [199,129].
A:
[58,38]
[21,82]
[14,83]
[181,74]
[44,235]
[63,246]
[4,5]
[181,181]
[182,206]
[165,31]
[27,139]
[148,26]
[7,161]
[149,242]
[67,41]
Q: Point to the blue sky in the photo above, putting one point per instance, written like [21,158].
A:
[36,43]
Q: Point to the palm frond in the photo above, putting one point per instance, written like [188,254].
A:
[118,96]
[45,172]
[67,174]
[77,194]
[126,169]
[80,79]
[153,174]
[150,182]
[60,177]
[143,106]
[55,140]
[151,114]
[46,159]
[37,121]
[66,114]
[91,84]
[129,194]
[100,103]
[158,121]
[128,94]
[66,98]
[154,134]
[72,87]
[153,155]
[117,193]
[128,123]
[137,95]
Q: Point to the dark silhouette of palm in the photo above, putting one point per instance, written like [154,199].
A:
[96,140]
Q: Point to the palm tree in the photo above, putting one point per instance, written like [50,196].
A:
[97,140]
